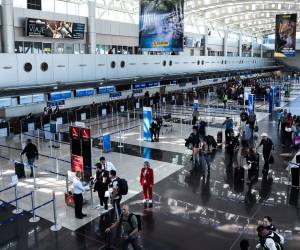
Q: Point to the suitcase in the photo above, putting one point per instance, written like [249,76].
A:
[69,199]
[19,170]
[219,137]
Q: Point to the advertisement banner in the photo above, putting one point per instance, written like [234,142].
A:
[161,25]
[250,103]
[54,29]
[285,35]
[147,111]
[76,163]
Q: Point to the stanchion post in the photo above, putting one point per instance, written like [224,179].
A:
[38,138]
[17,210]
[140,133]
[55,227]
[67,184]
[34,178]
[92,198]
[34,218]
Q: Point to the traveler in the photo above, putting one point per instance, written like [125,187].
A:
[195,116]
[228,128]
[101,185]
[244,244]
[195,142]
[32,154]
[279,115]
[153,130]
[115,196]
[147,181]
[159,124]
[107,165]
[78,189]
[56,110]
[206,156]
[267,222]
[269,240]
[232,148]
[129,227]
[268,146]
[202,129]
[225,99]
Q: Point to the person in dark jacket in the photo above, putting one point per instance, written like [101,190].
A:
[267,222]
[153,130]
[31,153]
[268,146]
[101,184]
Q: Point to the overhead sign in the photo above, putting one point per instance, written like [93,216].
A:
[54,29]
[285,35]
[161,25]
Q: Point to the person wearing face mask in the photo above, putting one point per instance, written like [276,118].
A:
[78,190]
[147,181]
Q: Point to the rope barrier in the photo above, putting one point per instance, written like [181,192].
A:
[48,202]
[7,188]
[19,198]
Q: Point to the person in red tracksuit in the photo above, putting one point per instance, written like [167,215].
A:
[147,181]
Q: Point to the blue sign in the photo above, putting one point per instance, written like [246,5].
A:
[106,143]
[250,103]
[56,103]
[106,90]
[271,99]
[147,114]
[115,94]
[173,82]
[141,85]
[54,96]
[84,92]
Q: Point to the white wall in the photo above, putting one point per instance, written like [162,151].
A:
[72,68]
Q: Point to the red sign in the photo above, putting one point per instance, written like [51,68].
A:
[74,131]
[77,163]
[85,133]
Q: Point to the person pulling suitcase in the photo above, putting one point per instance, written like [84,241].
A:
[32,154]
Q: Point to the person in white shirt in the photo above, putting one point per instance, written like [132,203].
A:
[78,189]
[269,240]
[107,165]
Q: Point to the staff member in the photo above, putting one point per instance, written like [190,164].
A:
[78,189]
[147,180]
[107,165]
[268,146]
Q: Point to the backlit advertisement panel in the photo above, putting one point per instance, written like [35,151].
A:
[285,35]
[161,25]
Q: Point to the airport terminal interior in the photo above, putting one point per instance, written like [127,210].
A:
[149,124]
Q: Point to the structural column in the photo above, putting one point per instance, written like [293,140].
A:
[252,46]
[225,42]
[206,41]
[240,45]
[91,29]
[8,37]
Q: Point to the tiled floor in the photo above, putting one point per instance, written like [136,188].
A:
[189,212]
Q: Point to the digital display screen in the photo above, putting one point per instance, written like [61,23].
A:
[55,96]
[38,98]
[5,102]
[54,29]
[84,92]
[106,90]
[25,99]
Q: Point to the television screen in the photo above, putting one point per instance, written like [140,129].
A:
[66,94]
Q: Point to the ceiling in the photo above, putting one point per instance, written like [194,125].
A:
[254,17]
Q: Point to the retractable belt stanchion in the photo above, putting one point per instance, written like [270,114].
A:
[17,210]
[55,227]
[34,218]
[38,138]
[34,177]
[92,198]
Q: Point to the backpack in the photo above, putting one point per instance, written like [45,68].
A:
[123,186]
[138,218]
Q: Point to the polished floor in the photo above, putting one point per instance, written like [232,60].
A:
[190,211]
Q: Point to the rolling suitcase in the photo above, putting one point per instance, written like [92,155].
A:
[219,137]
[19,170]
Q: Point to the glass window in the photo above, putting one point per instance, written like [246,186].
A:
[72,9]
[82,48]
[59,48]
[76,48]
[48,5]
[120,50]
[19,47]
[37,48]
[130,50]
[47,48]
[20,3]
[69,49]
[28,47]
[60,7]
[125,50]
[115,49]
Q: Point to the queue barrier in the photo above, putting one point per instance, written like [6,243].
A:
[19,212]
